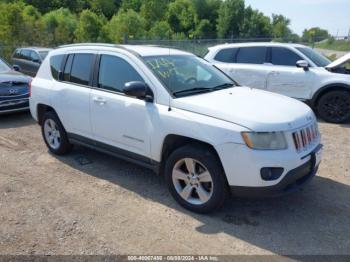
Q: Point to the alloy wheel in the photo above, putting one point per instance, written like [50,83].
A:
[52,134]
[192,181]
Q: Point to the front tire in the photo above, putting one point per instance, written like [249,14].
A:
[54,134]
[334,106]
[196,179]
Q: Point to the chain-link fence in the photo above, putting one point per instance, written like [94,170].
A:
[196,46]
[200,46]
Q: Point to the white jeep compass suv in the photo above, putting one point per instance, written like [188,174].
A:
[173,112]
[290,69]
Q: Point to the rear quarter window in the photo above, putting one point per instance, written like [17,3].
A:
[226,55]
[55,65]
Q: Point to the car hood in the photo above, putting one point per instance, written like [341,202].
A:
[14,77]
[254,109]
[339,62]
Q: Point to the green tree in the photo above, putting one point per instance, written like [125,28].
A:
[161,30]
[59,27]
[315,34]
[126,25]
[280,27]
[256,24]
[32,29]
[131,4]
[90,27]
[182,17]
[45,6]
[230,20]
[11,23]
[106,7]
[204,29]
[207,11]
[153,11]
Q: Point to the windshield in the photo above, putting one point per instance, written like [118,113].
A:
[314,56]
[4,67]
[43,54]
[185,75]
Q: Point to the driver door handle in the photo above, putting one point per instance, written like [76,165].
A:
[99,100]
[275,73]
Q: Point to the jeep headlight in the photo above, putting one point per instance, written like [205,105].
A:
[265,140]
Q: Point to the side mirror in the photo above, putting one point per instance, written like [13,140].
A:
[36,61]
[16,68]
[303,64]
[139,90]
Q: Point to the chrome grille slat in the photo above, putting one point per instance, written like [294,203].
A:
[305,137]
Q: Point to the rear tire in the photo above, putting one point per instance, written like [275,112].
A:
[54,134]
[334,106]
[196,179]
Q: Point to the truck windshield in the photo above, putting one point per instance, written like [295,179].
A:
[185,75]
[314,56]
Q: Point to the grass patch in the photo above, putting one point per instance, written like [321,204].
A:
[338,45]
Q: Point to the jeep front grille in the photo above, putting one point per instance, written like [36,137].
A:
[305,137]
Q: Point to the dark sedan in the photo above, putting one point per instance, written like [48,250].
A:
[14,90]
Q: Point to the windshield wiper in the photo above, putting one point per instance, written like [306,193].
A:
[198,90]
[195,90]
[223,86]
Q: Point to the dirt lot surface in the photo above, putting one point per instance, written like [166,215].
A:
[90,203]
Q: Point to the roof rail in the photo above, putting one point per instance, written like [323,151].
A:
[102,45]
[89,44]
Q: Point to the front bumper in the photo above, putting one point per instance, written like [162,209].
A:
[243,167]
[293,181]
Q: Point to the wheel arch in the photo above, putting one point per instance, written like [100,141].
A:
[172,142]
[41,110]
[327,88]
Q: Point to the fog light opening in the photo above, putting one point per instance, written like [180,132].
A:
[271,173]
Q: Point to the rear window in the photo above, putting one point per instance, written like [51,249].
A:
[226,55]
[81,69]
[252,55]
[55,64]
[17,53]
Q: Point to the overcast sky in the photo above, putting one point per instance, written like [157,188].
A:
[333,15]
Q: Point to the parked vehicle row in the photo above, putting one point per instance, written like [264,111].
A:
[178,115]
[289,69]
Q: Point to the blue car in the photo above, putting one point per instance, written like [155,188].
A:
[14,90]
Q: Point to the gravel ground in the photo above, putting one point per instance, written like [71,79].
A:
[90,203]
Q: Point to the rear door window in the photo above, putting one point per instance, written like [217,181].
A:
[252,55]
[226,55]
[284,57]
[81,69]
[25,54]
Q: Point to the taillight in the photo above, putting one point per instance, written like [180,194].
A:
[30,87]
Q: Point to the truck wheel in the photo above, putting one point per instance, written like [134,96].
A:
[196,179]
[54,134]
[334,106]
